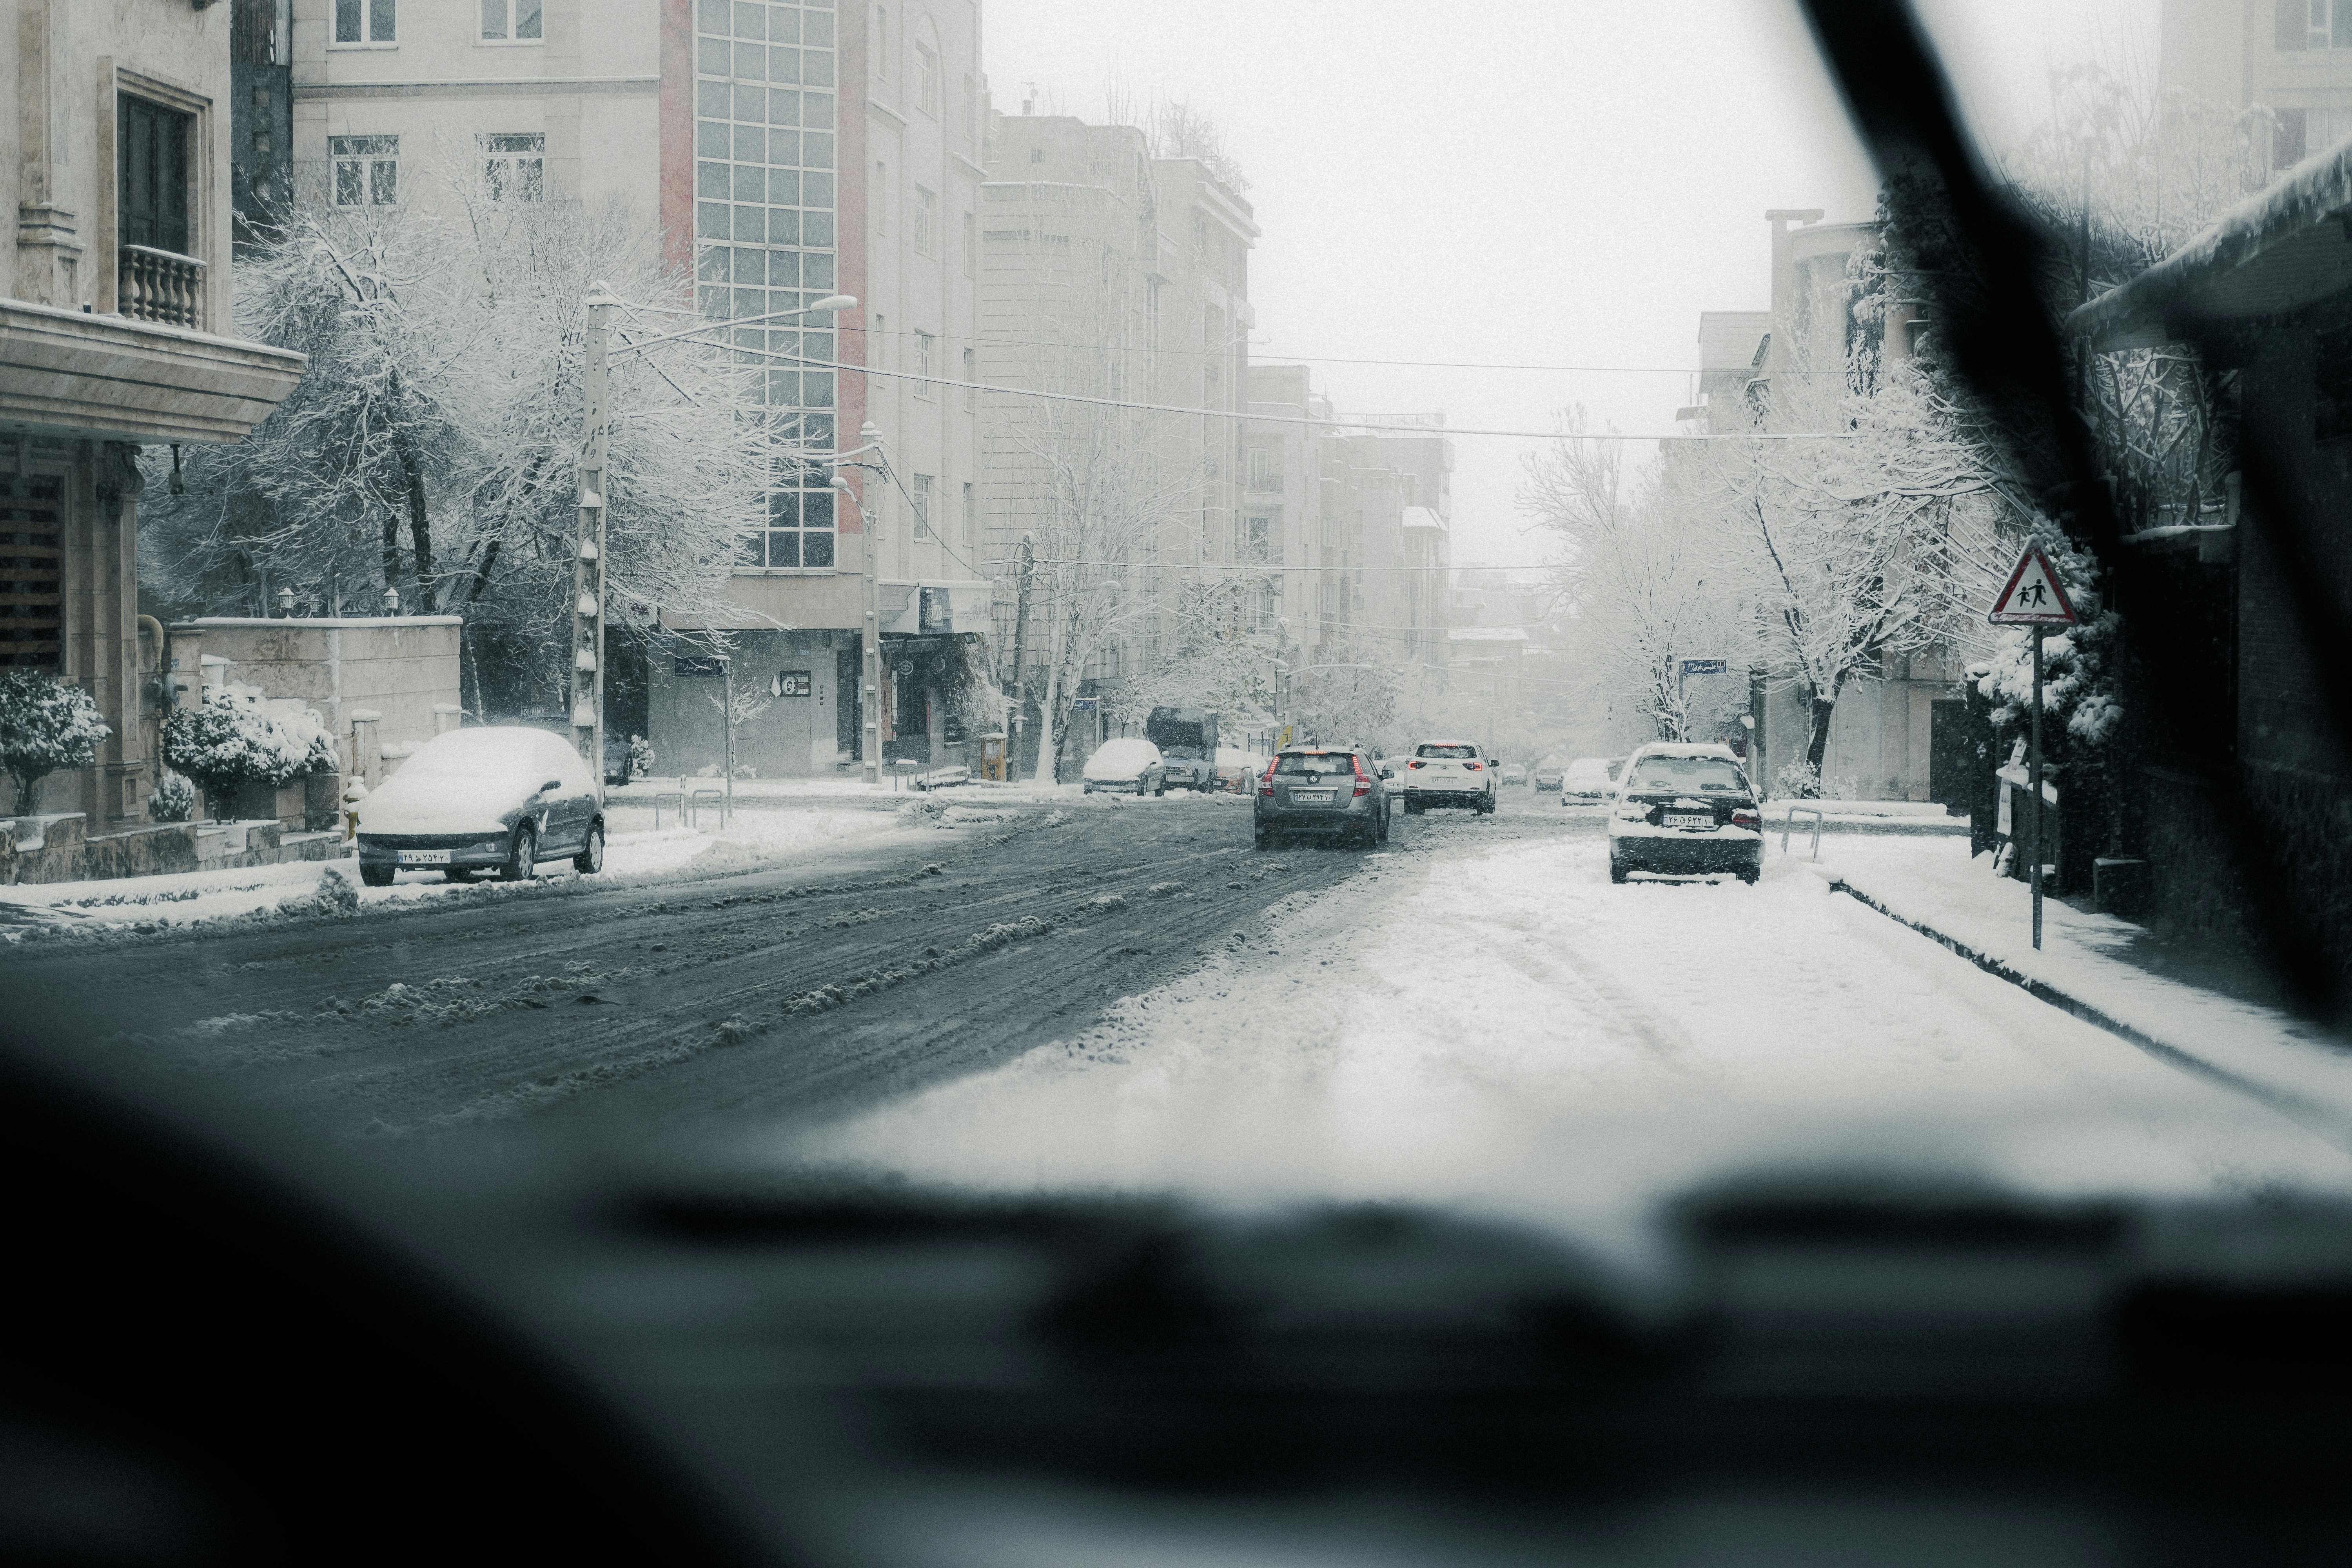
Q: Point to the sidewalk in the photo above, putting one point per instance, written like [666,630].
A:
[2096,967]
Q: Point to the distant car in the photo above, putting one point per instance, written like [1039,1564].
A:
[1448,773]
[1187,739]
[498,797]
[1237,770]
[1684,811]
[1548,772]
[1324,791]
[1590,780]
[1513,774]
[1128,765]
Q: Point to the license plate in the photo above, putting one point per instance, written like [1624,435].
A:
[1689,819]
[424,857]
[1311,796]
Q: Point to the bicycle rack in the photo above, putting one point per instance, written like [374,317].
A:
[1787,820]
[701,794]
[676,795]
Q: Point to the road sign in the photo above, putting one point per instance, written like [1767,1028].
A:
[2033,598]
[1706,666]
[1083,704]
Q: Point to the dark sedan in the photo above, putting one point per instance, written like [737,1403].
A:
[1325,792]
[1684,811]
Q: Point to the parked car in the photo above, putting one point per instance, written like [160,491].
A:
[1589,781]
[1448,773]
[1238,769]
[1329,791]
[1512,774]
[498,797]
[1187,739]
[1684,811]
[1547,774]
[1128,765]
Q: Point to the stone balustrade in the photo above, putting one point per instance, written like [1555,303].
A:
[162,286]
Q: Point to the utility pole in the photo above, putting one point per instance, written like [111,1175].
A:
[727,710]
[588,561]
[1020,633]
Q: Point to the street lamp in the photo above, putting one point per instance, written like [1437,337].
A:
[588,559]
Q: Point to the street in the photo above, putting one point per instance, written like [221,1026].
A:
[1471,1015]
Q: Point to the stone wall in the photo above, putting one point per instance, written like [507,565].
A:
[42,850]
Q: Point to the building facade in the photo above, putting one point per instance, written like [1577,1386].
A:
[2289,59]
[787,151]
[1111,276]
[115,333]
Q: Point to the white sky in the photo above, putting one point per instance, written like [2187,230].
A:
[1551,182]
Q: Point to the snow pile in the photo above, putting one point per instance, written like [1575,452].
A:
[335,893]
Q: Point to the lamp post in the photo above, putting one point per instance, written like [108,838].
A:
[588,557]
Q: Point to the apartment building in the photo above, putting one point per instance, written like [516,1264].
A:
[787,151]
[2290,58]
[115,334]
[1110,275]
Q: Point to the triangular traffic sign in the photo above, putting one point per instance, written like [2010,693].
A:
[2033,598]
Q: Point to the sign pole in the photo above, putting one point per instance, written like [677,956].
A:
[2033,791]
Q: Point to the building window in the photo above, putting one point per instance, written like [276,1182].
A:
[963,519]
[926,213]
[2314,24]
[923,341]
[151,198]
[1266,470]
[513,165]
[927,81]
[799,534]
[880,38]
[33,510]
[1258,537]
[367,170]
[922,505]
[1200,233]
[877,347]
[970,247]
[360,22]
[510,21]
[1037,154]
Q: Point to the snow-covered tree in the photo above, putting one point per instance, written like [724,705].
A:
[432,446]
[238,735]
[46,725]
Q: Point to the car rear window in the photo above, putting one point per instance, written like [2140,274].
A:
[1317,762]
[1702,773]
[1455,753]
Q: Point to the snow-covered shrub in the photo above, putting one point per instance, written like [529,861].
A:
[2077,675]
[174,800]
[641,757]
[238,735]
[45,725]
[1798,780]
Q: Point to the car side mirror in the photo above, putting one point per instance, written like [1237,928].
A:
[551,786]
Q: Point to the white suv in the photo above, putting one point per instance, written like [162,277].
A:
[1448,773]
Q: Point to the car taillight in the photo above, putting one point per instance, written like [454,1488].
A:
[1471,766]
[1747,820]
[1363,785]
[1265,785]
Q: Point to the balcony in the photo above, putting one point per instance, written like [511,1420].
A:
[162,286]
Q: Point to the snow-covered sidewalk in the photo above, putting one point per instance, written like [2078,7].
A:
[1505,1032]
[1934,887]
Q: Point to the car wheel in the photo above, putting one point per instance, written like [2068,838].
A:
[375,876]
[456,874]
[1751,875]
[591,858]
[1383,836]
[522,855]
[1616,872]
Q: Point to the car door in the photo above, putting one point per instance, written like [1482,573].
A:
[564,810]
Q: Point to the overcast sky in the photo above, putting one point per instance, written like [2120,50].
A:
[1545,181]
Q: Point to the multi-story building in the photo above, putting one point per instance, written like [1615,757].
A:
[2291,57]
[1114,276]
[114,334]
[786,151]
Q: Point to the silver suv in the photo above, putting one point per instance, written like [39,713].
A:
[1330,791]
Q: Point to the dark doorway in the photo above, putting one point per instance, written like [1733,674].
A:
[849,706]
[153,195]
[1952,753]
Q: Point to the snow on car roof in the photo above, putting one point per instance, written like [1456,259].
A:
[1127,752]
[1686,749]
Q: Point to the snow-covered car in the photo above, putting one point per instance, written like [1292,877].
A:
[1128,765]
[1513,774]
[1590,780]
[495,799]
[1684,811]
[1237,770]
[1547,774]
[1324,791]
[1448,773]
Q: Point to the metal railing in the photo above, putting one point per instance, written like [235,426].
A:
[1789,818]
[160,286]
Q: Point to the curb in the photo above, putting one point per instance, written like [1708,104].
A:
[2301,1108]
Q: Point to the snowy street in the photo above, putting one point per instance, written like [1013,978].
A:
[1113,993]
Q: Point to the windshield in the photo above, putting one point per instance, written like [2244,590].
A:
[1668,772]
[833,439]
[1316,762]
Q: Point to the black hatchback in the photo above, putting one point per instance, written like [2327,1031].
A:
[1684,811]
[1324,791]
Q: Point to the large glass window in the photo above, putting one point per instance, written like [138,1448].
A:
[362,22]
[764,230]
[514,166]
[510,21]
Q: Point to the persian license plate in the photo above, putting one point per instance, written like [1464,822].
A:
[1689,819]
[1311,796]
[424,857]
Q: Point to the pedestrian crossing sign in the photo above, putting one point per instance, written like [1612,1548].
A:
[2033,598]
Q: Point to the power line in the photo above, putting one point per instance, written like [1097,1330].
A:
[1334,426]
